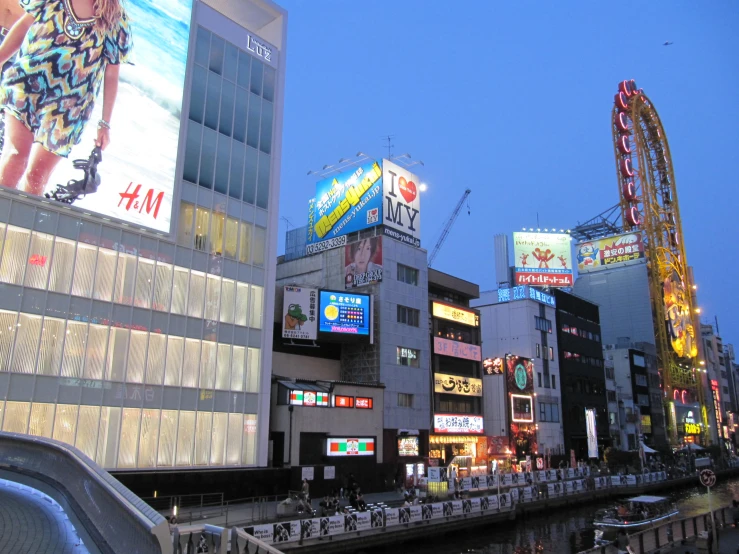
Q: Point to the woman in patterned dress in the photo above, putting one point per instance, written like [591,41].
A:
[66,50]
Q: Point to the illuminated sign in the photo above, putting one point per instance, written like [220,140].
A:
[408,446]
[363,262]
[692,429]
[459,424]
[343,314]
[520,374]
[300,310]
[717,406]
[522,292]
[364,403]
[595,255]
[592,434]
[522,408]
[349,202]
[350,447]
[135,180]
[678,317]
[402,204]
[460,315]
[452,384]
[457,349]
[493,366]
[37,259]
[343,401]
[308,398]
[543,259]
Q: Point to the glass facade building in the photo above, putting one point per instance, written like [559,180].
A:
[148,350]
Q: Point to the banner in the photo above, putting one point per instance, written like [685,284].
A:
[592,435]
[457,349]
[363,262]
[612,251]
[543,259]
[453,384]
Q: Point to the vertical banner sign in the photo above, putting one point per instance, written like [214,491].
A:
[136,175]
[363,262]
[592,433]
[401,204]
[299,308]
[543,259]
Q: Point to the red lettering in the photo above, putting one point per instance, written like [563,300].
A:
[130,196]
[153,203]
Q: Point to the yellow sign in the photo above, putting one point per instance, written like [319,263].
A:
[460,315]
[692,429]
[453,384]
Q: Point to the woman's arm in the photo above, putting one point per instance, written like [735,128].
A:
[15,37]
[110,91]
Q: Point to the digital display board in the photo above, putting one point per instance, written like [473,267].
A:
[408,446]
[543,259]
[348,202]
[134,178]
[453,313]
[350,447]
[344,316]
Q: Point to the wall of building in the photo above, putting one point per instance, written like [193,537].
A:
[305,367]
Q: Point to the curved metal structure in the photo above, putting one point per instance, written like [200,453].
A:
[648,198]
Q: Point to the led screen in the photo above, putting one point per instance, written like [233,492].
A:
[344,316]
[147,44]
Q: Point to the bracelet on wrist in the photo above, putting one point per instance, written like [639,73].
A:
[104,124]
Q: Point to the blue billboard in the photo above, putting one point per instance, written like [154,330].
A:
[344,316]
[347,202]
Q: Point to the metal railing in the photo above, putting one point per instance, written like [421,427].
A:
[194,508]
[190,539]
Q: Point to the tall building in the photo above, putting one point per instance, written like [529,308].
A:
[136,320]
[718,393]
[457,433]
[583,379]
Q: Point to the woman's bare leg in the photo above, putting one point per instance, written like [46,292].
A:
[40,165]
[16,150]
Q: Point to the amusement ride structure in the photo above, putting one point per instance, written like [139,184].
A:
[648,203]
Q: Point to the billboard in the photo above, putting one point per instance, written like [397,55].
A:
[493,366]
[592,434]
[408,446]
[543,259]
[595,255]
[348,202]
[138,127]
[453,384]
[299,306]
[350,447]
[458,424]
[453,313]
[520,384]
[363,262]
[402,204]
[344,316]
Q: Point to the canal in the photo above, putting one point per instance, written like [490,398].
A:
[566,531]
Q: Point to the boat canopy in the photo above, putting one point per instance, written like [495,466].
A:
[646,499]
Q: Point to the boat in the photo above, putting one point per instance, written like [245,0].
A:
[632,515]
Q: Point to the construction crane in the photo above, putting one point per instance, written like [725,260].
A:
[448,227]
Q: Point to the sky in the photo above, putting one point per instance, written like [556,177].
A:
[513,100]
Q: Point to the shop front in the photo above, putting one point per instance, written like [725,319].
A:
[458,441]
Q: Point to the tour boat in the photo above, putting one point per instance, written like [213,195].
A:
[632,515]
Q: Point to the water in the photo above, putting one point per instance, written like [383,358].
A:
[567,531]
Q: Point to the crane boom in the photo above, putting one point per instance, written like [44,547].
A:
[448,227]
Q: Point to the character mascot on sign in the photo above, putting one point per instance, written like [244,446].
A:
[587,255]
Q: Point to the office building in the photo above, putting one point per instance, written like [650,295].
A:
[136,321]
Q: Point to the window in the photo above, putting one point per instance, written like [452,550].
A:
[612,417]
[542,324]
[640,380]
[405,400]
[407,274]
[639,360]
[551,353]
[726,390]
[611,395]
[554,382]
[539,375]
[408,316]
[610,374]
[548,412]
[538,350]
[408,357]
[642,399]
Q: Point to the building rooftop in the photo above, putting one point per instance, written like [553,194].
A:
[440,280]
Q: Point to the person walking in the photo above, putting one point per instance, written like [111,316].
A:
[622,542]
[305,491]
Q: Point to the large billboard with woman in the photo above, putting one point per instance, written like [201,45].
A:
[363,262]
[91,95]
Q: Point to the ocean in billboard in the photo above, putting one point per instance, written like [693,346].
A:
[363,262]
[612,251]
[133,178]
[348,202]
[543,259]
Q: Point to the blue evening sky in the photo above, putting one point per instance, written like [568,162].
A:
[513,100]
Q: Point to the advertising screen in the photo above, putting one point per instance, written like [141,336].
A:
[402,203]
[344,316]
[363,262]
[133,179]
[408,446]
[543,259]
[299,308]
[615,251]
[350,447]
[348,202]
[592,433]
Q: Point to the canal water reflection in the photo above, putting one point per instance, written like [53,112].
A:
[566,531]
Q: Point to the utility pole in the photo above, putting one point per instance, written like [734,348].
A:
[389,140]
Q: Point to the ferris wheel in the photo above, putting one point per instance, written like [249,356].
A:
[648,198]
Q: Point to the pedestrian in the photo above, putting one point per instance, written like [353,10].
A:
[622,542]
[305,490]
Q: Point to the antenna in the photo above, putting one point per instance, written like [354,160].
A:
[286,220]
[390,145]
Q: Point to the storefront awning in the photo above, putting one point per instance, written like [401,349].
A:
[304,386]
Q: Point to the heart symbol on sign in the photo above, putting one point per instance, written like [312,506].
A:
[407,189]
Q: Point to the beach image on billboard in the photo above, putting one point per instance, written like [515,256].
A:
[543,259]
[78,82]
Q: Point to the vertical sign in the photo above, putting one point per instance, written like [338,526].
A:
[402,204]
[592,433]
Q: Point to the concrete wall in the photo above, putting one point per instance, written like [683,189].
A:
[305,367]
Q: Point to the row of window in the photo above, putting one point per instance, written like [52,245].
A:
[220,235]
[408,357]
[409,316]
[580,333]
[457,405]
[74,349]
[585,386]
[449,331]
[538,351]
[642,399]
[548,412]
[407,274]
[542,324]
[577,357]
[61,265]
[139,438]
[545,383]
[640,380]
